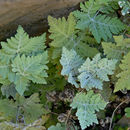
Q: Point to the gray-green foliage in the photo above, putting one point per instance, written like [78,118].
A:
[118,49]
[23,59]
[8,90]
[57,127]
[101,26]
[94,72]
[87,105]
[90,73]
[29,108]
[64,33]
[70,61]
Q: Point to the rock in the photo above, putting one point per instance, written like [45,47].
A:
[29,13]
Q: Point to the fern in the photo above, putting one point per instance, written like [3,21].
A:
[124,76]
[63,33]
[22,106]
[93,73]
[93,6]
[127,112]
[23,59]
[118,50]
[8,90]
[87,105]
[21,44]
[29,68]
[101,26]
[70,62]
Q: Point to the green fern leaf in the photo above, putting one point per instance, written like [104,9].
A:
[101,26]
[4,70]
[8,90]
[61,30]
[92,6]
[8,109]
[124,76]
[127,112]
[57,127]
[25,106]
[87,105]
[70,62]
[85,50]
[20,44]
[4,81]
[63,33]
[93,73]
[118,50]
[29,68]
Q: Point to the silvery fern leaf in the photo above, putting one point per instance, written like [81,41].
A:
[4,70]
[70,61]
[29,69]
[87,105]
[101,26]
[94,72]
[21,43]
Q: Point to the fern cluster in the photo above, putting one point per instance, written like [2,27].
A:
[89,73]
[101,26]
[86,52]
[22,60]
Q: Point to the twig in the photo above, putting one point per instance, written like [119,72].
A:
[54,113]
[68,115]
[115,111]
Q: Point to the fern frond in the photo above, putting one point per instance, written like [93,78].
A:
[57,127]
[20,44]
[93,73]
[25,106]
[29,68]
[118,50]
[92,6]
[70,61]
[87,105]
[8,90]
[61,30]
[4,70]
[124,76]
[101,26]
[4,81]
[85,50]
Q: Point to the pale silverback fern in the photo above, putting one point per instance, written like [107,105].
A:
[90,73]
[87,105]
